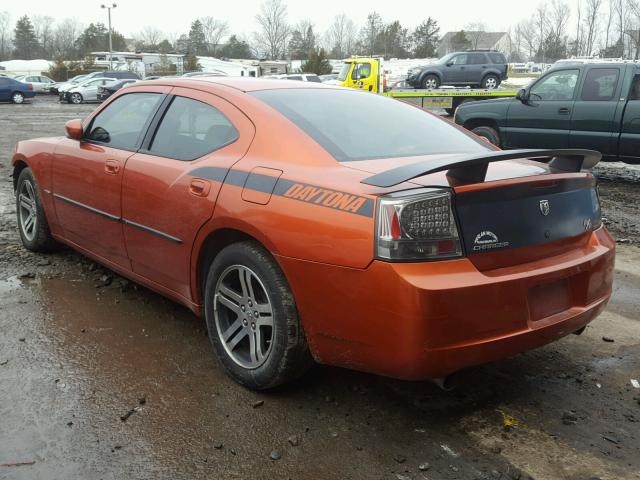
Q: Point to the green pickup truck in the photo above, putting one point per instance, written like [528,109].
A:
[590,105]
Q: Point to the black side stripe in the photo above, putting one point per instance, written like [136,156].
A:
[269,184]
[115,218]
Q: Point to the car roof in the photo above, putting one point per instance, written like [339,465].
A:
[244,84]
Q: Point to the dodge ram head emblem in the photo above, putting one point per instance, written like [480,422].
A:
[544,207]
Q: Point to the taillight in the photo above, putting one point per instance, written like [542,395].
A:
[29,86]
[595,203]
[417,226]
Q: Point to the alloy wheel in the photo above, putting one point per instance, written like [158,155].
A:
[76,98]
[491,83]
[243,316]
[17,98]
[28,210]
[430,83]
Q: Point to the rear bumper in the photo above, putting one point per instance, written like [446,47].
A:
[427,320]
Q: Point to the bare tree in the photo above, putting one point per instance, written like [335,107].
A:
[634,33]
[592,24]
[542,27]
[609,22]
[214,31]
[5,35]
[474,32]
[337,37]
[271,39]
[527,31]
[64,37]
[43,28]
[151,36]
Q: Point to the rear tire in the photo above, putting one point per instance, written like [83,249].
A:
[489,133]
[430,81]
[17,97]
[32,221]
[490,82]
[252,318]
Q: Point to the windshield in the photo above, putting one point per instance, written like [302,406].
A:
[353,125]
[344,71]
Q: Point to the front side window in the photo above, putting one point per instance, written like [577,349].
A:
[191,129]
[600,84]
[121,123]
[347,124]
[556,86]
[361,71]
[460,60]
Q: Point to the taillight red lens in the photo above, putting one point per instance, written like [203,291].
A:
[29,86]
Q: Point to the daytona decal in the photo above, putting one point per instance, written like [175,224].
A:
[325,197]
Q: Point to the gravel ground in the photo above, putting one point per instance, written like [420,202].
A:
[104,379]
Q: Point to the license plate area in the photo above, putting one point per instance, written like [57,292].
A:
[549,299]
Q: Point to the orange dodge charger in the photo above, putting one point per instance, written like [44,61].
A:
[308,222]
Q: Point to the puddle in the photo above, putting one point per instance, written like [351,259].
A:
[10,284]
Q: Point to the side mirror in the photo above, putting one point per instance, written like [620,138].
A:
[522,95]
[74,129]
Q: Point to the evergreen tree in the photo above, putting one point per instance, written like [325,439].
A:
[165,47]
[460,41]
[197,39]
[369,43]
[425,39]
[191,63]
[394,41]
[25,42]
[95,38]
[235,48]
[317,63]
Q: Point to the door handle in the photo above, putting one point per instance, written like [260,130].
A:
[564,111]
[199,188]
[112,167]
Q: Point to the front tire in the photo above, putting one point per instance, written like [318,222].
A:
[75,98]
[430,81]
[252,318]
[17,97]
[489,133]
[32,221]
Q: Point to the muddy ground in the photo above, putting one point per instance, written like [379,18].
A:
[102,379]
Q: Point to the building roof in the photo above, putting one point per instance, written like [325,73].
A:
[483,39]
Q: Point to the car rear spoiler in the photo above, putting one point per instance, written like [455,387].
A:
[473,168]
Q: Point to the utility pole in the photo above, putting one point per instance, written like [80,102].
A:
[109,7]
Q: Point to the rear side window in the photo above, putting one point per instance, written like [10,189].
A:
[477,58]
[600,84]
[191,129]
[121,123]
[294,77]
[354,125]
[497,58]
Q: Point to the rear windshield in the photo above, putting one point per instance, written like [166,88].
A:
[353,125]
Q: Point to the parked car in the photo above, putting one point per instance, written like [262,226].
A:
[396,247]
[86,91]
[58,87]
[117,74]
[14,91]
[109,89]
[304,77]
[41,84]
[486,69]
[588,105]
[329,77]
[209,73]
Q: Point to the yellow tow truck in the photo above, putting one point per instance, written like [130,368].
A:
[367,73]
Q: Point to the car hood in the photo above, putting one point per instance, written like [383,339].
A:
[496,171]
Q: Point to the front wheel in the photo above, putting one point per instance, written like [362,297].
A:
[430,81]
[490,82]
[32,221]
[252,318]
[17,97]
[76,98]
[491,134]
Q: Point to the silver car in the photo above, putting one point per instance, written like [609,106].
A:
[40,83]
[86,91]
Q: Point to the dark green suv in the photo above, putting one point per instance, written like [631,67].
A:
[591,105]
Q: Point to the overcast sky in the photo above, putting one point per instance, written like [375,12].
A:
[131,16]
